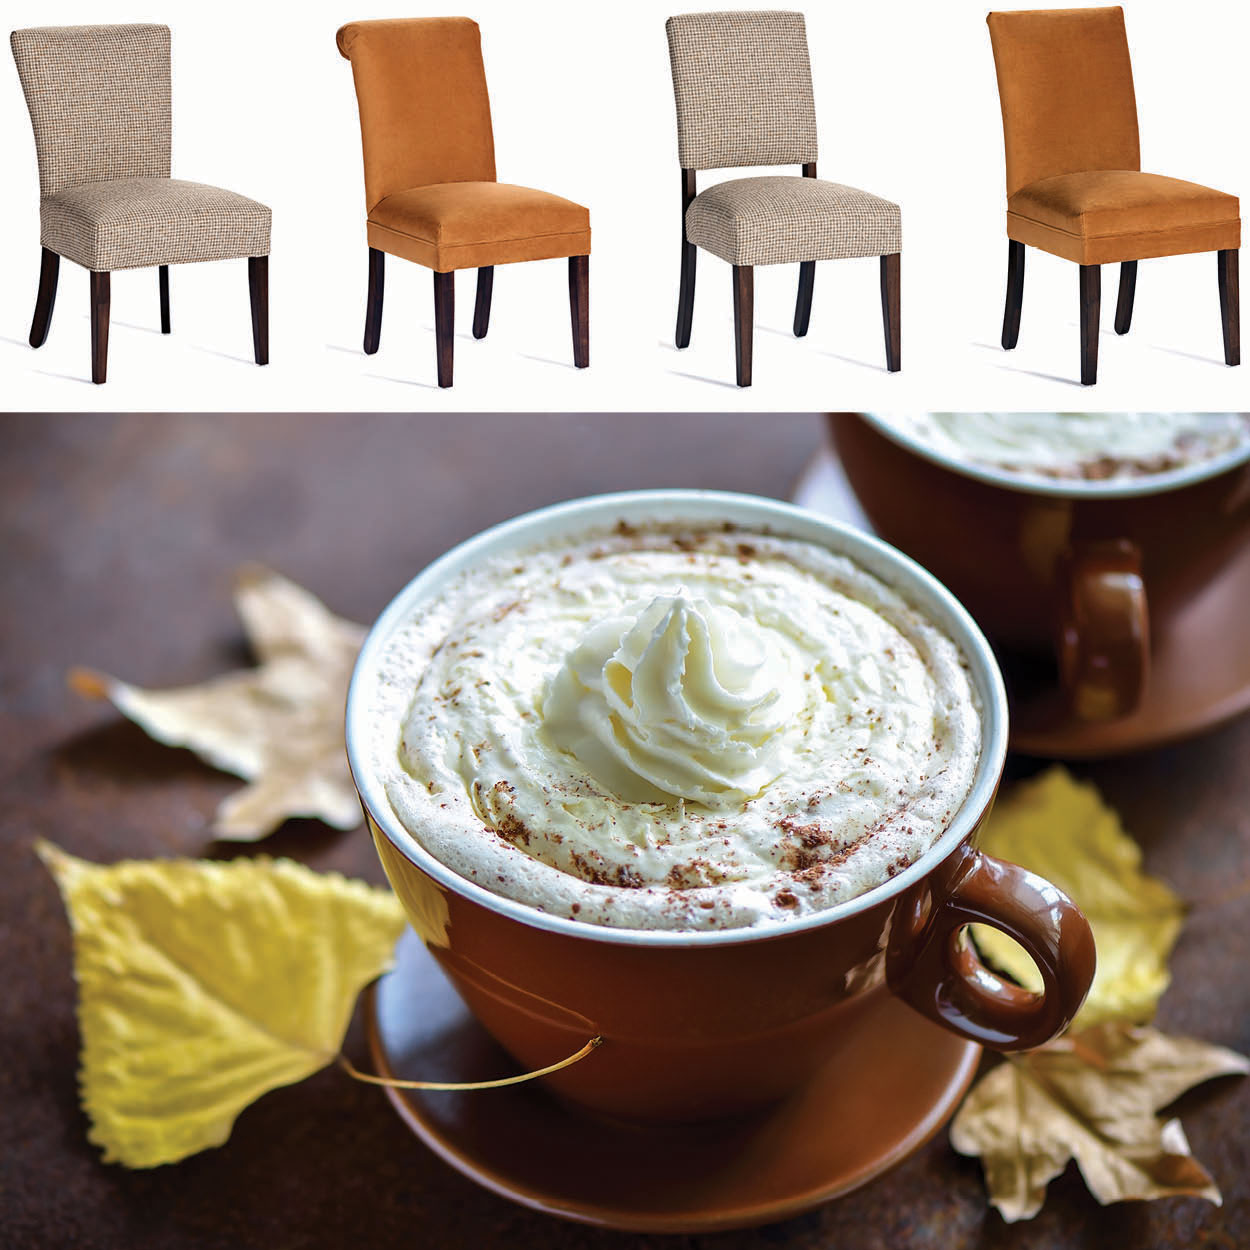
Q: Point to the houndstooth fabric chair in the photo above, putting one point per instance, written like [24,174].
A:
[742,84]
[99,100]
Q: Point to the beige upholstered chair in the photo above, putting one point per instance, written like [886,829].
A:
[743,86]
[99,99]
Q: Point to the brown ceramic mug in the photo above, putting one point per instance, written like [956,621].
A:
[1071,571]
[700,1024]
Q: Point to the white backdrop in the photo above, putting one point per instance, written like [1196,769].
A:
[582,104]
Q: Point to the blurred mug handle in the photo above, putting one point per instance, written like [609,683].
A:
[1104,629]
[932,965]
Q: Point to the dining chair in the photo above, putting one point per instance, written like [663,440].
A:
[99,100]
[430,187]
[742,82]
[1075,186]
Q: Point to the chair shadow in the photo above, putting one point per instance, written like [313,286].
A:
[1176,351]
[212,351]
[547,360]
[1037,373]
[697,377]
[384,377]
[67,377]
[4,338]
[851,360]
[131,325]
[347,351]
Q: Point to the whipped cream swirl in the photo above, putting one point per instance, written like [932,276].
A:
[677,699]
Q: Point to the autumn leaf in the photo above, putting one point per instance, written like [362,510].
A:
[1090,1097]
[1062,830]
[279,726]
[201,986]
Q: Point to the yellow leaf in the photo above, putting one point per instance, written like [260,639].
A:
[278,726]
[203,985]
[1091,1097]
[1061,829]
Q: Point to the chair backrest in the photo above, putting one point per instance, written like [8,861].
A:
[99,101]
[424,111]
[1065,84]
[743,86]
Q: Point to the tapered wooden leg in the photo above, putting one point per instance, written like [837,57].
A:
[1091,301]
[744,320]
[99,326]
[164,285]
[892,310]
[579,308]
[444,324]
[803,305]
[1015,294]
[1128,288]
[1230,305]
[258,287]
[45,301]
[481,310]
[685,298]
[373,304]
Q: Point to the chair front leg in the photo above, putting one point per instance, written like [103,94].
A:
[1230,304]
[803,304]
[481,309]
[579,308]
[258,289]
[45,301]
[744,320]
[892,309]
[1128,289]
[1015,294]
[1091,305]
[689,262]
[373,301]
[99,326]
[444,324]
[163,281]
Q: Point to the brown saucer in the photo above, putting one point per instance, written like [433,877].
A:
[1200,668]
[525,1145]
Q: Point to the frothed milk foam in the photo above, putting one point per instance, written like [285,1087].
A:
[673,728]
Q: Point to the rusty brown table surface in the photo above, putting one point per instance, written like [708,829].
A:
[118,538]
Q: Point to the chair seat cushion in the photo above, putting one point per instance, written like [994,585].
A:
[1105,215]
[779,220]
[127,223]
[467,225]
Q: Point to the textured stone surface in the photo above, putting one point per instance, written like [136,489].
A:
[118,537]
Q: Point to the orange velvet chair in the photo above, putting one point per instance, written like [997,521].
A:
[1075,186]
[430,184]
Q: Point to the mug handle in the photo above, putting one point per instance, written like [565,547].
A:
[1104,629]
[932,965]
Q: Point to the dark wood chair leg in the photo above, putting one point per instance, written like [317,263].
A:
[258,288]
[99,327]
[163,273]
[45,301]
[1015,294]
[744,320]
[892,309]
[579,308]
[1230,304]
[373,304]
[444,324]
[689,263]
[803,305]
[1128,289]
[1091,302]
[481,310]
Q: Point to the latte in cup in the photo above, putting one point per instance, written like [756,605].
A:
[673,727]
[1078,445]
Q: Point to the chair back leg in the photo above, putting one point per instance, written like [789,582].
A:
[1128,289]
[163,282]
[744,320]
[803,304]
[1230,304]
[45,301]
[1091,306]
[258,288]
[373,302]
[445,324]
[579,308]
[892,309]
[481,309]
[99,327]
[1015,294]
